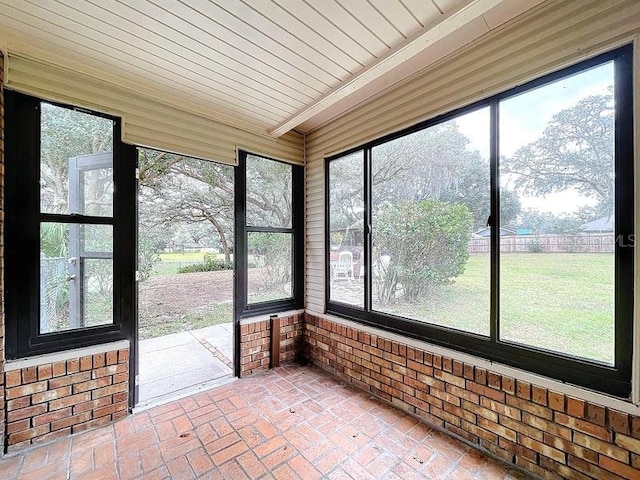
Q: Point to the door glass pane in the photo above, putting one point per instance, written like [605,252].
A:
[96,187]
[430,204]
[76,162]
[269,193]
[270,267]
[557,257]
[76,284]
[346,236]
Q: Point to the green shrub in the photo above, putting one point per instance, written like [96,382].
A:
[54,239]
[427,243]
[210,264]
[535,246]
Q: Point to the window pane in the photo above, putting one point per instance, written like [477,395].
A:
[96,297]
[430,204]
[76,162]
[95,238]
[270,267]
[557,260]
[268,193]
[346,219]
[76,276]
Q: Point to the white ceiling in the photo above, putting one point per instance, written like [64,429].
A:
[266,65]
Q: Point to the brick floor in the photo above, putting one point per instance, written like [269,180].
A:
[293,422]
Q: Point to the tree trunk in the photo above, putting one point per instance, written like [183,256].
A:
[223,238]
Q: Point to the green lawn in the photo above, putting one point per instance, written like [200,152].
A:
[191,257]
[162,318]
[561,302]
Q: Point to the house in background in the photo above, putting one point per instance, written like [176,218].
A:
[486,232]
[599,225]
[313,85]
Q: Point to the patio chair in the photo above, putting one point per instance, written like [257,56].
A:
[343,266]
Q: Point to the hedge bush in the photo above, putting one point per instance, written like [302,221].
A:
[210,264]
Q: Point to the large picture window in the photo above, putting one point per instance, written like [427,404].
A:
[68,277]
[504,229]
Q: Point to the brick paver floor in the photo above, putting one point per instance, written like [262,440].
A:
[290,423]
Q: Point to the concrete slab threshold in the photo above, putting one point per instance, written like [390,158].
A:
[185,392]
[181,364]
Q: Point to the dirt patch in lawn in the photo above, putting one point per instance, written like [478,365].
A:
[178,294]
[186,301]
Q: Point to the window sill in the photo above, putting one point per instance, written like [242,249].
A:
[267,316]
[64,356]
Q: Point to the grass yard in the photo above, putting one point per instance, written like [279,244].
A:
[190,257]
[561,302]
[556,301]
[151,327]
[186,301]
[170,302]
[170,262]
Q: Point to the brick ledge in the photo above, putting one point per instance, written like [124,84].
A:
[626,406]
[262,318]
[11,365]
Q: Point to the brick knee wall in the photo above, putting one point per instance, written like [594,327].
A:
[255,343]
[548,433]
[56,399]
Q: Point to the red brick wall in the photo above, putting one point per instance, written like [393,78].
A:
[56,399]
[255,343]
[548,433]
[2,410]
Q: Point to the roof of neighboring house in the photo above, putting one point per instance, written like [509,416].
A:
[603,224]
[486,231]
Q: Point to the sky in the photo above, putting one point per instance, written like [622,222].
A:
[524,117]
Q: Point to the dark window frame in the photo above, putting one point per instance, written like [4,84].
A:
[614,380]
[243,308]
[22,235]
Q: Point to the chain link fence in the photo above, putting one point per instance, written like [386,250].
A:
[54,294]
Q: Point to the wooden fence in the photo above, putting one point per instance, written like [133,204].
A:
[581,243]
